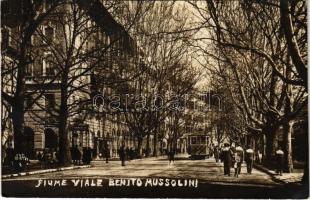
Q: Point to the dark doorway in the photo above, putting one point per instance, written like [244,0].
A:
[29,139]
[51,139]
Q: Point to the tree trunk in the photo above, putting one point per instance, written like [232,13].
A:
[218,130]
[139,148]
[270,147]
[18,127]
[287,136]
[263,145]
[305,178]
[288,30]
[18,102]
[64,147]
[155,144]
[147,150]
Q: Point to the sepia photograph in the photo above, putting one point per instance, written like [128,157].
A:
[182,99]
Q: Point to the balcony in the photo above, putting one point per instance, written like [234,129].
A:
[47,79]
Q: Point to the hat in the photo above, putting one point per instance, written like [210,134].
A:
[249,151]
[238,148]
[279,152]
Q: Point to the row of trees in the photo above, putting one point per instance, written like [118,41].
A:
[167,74]
[257,58]
[87,55]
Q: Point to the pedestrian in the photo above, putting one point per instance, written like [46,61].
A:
[144,152]
[10,155]
[171,156]
[127,154]
[53,159]
[78,155]
[131,153]
[249,160]
[238,157]
[227,158]
[107,154]
[39,156]
[216,153]
[260,157]
[210,152]
[279,159]
[122,154]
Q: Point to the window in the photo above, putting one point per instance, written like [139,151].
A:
[74,139]
[29,70]
[194,140]
[38,67]
[203,140]
[28,102]
[50,69]
[47,5]
[50,101]
[198,140]
[5,40]
[48,33]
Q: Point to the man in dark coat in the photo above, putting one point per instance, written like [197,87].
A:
[10,155]
[107,154]
[280,160]
[238,157]
[249,159]
[122,154]
[216,153]
[171,156]
[227,159]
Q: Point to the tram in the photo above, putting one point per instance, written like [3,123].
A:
[198,146]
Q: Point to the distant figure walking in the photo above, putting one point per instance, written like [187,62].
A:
[122,154]
[227,158]
[258,157]
[131,154]
[107,154]
[216,153]
[238,160]
[171,156]
[280,159]
[249,160]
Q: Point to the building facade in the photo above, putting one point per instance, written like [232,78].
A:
[88,128]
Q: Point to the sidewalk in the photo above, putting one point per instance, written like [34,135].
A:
[35,167]
[98,162]
[43,171]
[294,177]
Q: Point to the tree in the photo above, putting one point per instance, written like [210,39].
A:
[85,48]
[165,44]
[30,17]
[247,35]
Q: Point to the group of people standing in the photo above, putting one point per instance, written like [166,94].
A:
[48,158]
[233,157]
[126,154]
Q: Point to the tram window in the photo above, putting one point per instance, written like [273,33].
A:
[203,139]
[193,139]
[198,140]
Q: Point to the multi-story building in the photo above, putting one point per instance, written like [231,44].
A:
[193,118]
[115,50]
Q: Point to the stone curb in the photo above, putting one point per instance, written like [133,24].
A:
[263,169]
[44,171]
[269,172]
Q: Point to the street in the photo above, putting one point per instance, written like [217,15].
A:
[211,183]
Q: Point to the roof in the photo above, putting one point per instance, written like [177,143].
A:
[97,12]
